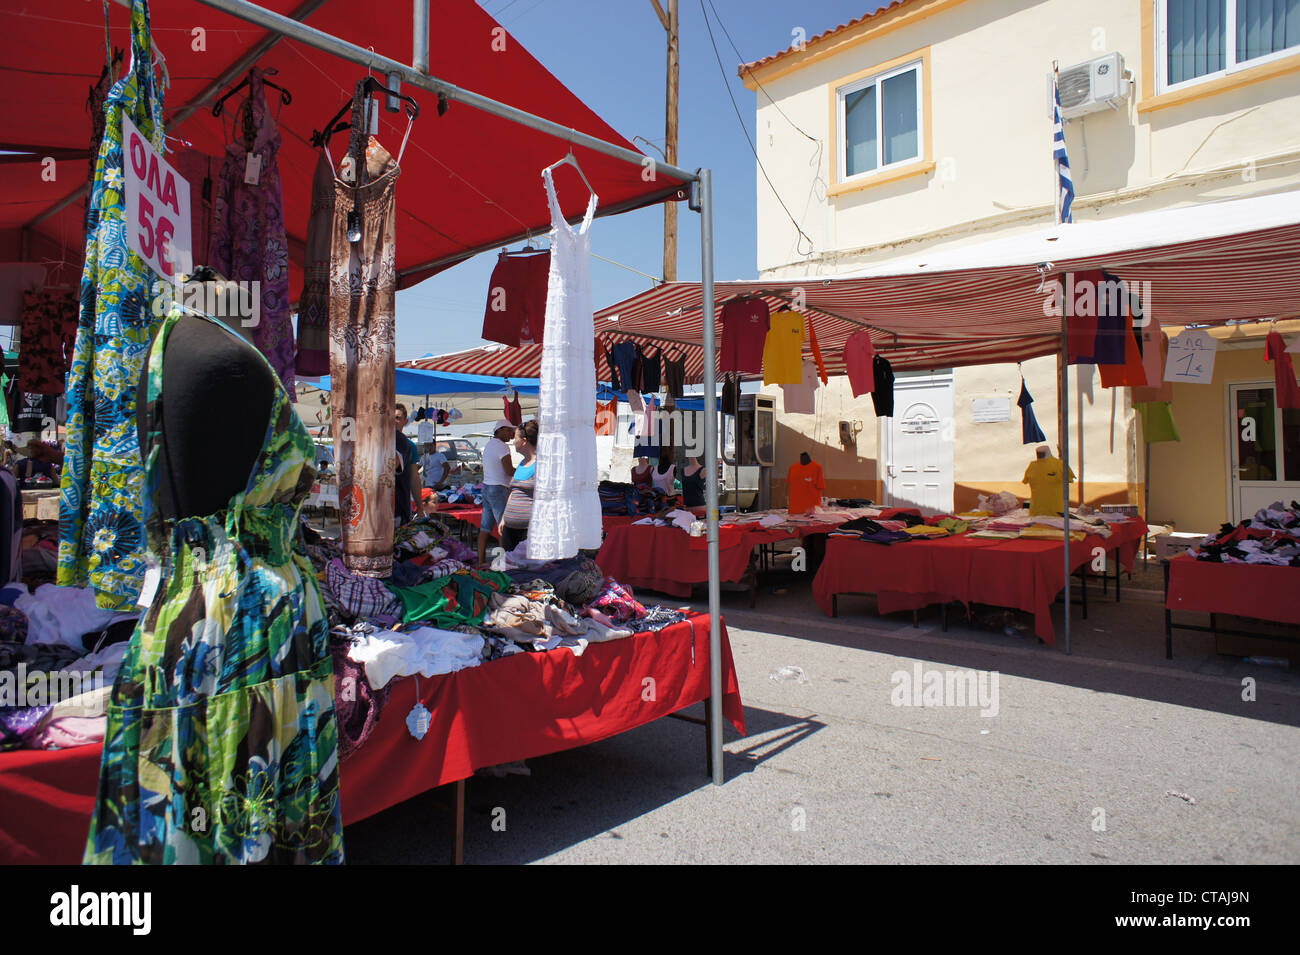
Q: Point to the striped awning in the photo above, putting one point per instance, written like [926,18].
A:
[986,302]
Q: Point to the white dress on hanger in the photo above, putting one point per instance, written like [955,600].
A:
[566,507]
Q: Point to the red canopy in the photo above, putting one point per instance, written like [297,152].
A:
[1232,261]
[470,181]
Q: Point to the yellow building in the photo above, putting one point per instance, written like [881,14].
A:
[926,127]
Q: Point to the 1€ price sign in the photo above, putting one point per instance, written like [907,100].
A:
[158,227]
[1191,357]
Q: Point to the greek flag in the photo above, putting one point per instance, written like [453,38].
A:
[1064,184]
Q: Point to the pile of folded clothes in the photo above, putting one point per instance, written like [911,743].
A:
[59,655]
[438,613]
[1272,536]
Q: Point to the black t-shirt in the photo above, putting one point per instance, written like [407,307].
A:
[882,399]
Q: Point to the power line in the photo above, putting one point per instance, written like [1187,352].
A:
[750,72]
[744,129]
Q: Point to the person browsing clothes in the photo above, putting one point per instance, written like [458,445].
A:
[519,505]
[498,470]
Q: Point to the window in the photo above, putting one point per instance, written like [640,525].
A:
[880,121]
[1201,38]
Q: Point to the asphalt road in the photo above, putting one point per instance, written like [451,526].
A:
[1109,755]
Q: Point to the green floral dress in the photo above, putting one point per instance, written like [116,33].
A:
[221,744]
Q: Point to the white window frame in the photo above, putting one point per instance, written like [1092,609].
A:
[878,79]
[1230,49]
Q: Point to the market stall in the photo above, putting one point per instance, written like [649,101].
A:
[1024,574]
[1250,571]
[526,706]
[379,239]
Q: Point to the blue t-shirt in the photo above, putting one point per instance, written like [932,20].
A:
[525,472]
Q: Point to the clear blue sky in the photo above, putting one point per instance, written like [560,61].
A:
[611,53]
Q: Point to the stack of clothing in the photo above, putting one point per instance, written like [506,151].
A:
[1272,536]
[59,655]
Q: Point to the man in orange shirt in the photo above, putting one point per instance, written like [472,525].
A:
[807,485]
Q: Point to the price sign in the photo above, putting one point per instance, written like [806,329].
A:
[1191,357]
[158,227]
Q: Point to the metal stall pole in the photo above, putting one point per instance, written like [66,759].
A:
[704,193]
[420,36]
[1063,393]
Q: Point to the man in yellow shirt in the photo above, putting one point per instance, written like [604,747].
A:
[1044,479]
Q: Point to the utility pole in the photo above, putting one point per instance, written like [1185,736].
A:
[670,23]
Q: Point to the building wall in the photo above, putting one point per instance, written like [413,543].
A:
[990,131]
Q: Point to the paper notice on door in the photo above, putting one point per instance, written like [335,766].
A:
[1191,357]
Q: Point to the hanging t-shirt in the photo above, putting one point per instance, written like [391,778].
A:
[34,412]
[730,393]
[807,486]
[1286,390]
[606,417]
[516,302]
[627,358]
[817,353]
[802,398]
[1080,307]
[650,378]
[882,395]
[1132,373]
[511,410]
[1030,432]
[1157,422]
[425,430]
[858,360]
[675,376]
[744,330]
[1153,361]
[1113,325]
[1046,489]
[783,350]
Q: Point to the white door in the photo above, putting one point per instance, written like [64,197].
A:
[917,443]
[1264,465]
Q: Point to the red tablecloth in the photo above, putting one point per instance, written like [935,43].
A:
[526,705]
[1024,574]
[1262,591]
[670,561]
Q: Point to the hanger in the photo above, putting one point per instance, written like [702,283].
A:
[526,250]
[372,87]
[571,160]
[285,96]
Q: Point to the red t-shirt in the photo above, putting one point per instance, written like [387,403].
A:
[1288,392]
[806,487]
[516,303]
[744,330]
[858,357]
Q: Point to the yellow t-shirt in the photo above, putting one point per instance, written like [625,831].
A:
[783,350]
[1044,479]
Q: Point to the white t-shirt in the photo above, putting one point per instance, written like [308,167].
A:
[431,467]
[425,429]
[493,472]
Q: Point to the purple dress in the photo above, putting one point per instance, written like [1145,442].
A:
[248,238]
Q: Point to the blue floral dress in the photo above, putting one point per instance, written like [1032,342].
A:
[101,528]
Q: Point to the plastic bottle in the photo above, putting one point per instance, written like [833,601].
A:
[785,674]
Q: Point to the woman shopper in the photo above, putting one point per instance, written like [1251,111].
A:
[692,477]
[519,505]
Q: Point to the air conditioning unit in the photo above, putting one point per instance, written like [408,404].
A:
[1091,86]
